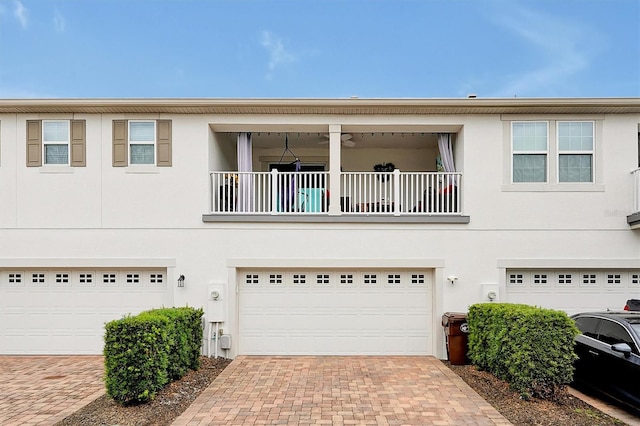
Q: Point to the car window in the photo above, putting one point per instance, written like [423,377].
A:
[612,333]
[588,326]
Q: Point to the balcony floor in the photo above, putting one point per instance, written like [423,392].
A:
[345,218]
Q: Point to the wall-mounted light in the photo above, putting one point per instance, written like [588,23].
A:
[452,279]
[181,281]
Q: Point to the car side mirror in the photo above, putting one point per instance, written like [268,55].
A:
[622,348]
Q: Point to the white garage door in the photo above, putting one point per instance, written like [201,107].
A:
[336,313]
[64,311]
[573,290]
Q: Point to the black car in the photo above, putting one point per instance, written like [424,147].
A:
[609,355]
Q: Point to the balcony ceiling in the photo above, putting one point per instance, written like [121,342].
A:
[317,140]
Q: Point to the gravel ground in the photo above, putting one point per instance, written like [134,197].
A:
[177,396]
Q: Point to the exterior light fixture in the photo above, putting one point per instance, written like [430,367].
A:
[181,281]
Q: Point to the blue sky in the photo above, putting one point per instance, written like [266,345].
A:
[319,48]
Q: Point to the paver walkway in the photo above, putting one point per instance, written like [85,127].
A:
[42,390]
[339,390]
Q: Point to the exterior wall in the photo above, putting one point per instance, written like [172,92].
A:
[104,212]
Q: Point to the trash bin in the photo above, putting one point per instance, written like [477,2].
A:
[456,332]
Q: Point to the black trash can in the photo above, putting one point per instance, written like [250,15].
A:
[456,333]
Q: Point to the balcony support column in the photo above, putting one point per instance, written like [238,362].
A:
[335,146]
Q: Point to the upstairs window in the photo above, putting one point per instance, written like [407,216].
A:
[55,141]
[142,142]
[530,151]
[575,151]
[554,154]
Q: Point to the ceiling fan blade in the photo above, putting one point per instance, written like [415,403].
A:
[343,137]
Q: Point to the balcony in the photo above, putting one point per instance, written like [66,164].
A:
[387,196]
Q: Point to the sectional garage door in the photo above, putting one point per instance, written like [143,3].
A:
[573,290]
[64,311]
[317,312]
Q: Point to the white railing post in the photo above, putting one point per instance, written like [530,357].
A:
[396,192]
[274,191]
[636,190]
[212,195]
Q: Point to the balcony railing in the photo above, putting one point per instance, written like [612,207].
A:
[636,190]
[371,193]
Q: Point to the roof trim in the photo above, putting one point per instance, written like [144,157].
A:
[350,106]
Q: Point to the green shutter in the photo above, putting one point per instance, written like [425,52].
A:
[34,143]
[78,143]
[120,143]
[163,143]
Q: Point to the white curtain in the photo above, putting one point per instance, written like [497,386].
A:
[245,167]
[446,154]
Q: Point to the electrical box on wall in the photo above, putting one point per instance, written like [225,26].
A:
[216,303]
[490,292]
[225,341]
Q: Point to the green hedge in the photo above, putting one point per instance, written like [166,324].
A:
[530,348]
[145,352]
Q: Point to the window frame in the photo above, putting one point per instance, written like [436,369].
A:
[561,152]
[553,184]
[546,152]
[45,143]
[153,144]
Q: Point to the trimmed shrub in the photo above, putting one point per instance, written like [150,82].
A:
[145,352]
[136,358]
[185,339]
[530,348]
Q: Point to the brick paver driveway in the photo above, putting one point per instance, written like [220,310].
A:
[339,390]
[42,390]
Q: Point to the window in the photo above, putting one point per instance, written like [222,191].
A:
[575,151]
[588,326]
[141,142]
[530,151]
[555,153]
[56,142]
[612,333]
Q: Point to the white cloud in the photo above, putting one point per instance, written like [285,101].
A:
[20,12]
[562,49]
[278,55]
[58,21]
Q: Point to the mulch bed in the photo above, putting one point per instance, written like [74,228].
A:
[168,404]
[564,410]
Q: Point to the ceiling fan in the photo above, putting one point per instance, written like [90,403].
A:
[345,139]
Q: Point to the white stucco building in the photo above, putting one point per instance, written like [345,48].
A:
[107,203]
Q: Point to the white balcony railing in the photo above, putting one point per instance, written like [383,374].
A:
[636,190]
[401,193]
[372,193]
[269,192]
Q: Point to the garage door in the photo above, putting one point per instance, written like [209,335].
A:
[336,312]
[573,290]
[64,311]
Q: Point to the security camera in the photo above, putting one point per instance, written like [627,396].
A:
[452,279]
